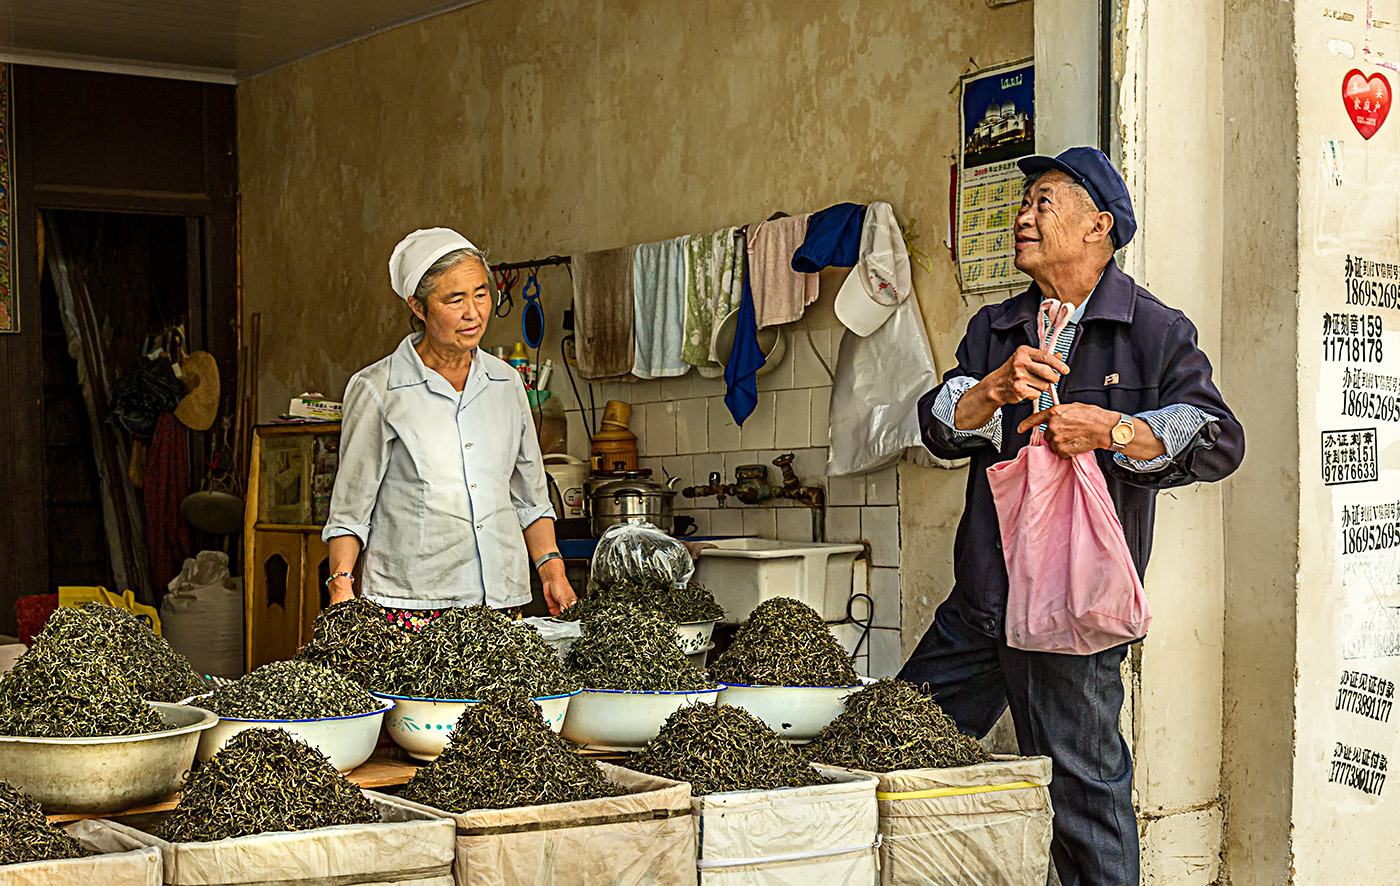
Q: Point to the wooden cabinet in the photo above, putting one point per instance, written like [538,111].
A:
[291,473]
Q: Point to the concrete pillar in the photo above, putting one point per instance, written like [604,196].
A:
[1066,74]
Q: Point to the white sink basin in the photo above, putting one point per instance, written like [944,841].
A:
[743,572]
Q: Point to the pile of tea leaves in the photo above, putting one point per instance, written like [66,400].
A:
[468,652]
[51,695]
[354,638]
[116,641]
[721,748]
[264,780]
[500,755]
[684,605]
[624,647]
[290,690]
[892,725]
[784,643]
[26,835]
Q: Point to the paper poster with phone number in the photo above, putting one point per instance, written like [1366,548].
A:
[997,111]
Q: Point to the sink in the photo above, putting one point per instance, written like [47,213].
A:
[743,572]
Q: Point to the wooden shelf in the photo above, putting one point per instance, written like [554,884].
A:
[291,527]
[376,772]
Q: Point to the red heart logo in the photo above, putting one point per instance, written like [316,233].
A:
[1367,100]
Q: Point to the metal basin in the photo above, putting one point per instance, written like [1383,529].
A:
[108,773]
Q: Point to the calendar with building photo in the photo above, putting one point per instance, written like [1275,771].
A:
[997,111]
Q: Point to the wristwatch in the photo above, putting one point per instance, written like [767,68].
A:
[1122,433]
[552,555]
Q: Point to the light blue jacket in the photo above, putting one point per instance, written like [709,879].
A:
[438,485]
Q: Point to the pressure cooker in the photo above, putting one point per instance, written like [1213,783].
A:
[630,497]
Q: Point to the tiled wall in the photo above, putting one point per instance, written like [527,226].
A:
[684,430]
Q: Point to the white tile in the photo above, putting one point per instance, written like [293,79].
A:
[860,610]
[780,379]
[885,656]
[843,524]
[862,663]
[724,433]
[760,522]
[880,527]
[821,416]
[702,521]
[794,524]
[882,486]
[733,460]
[579,442]
[661,430]
[757,432]
[679,466]
[810,465]
[884,590]
[830,347]
[648,390]
[807,371]
[705,464]
[843,491]
[677,388]
[847,634]
[637,424]
[726,522]
[692,426]
[700,386]
[650,464]
[793,420]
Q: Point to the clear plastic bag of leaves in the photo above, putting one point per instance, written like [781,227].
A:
[640,554]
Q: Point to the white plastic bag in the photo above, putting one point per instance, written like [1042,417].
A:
[875,395]
[642,554]
[202,616]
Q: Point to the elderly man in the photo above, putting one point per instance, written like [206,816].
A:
[1136,390]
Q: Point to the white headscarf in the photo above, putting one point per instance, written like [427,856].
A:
[417,252]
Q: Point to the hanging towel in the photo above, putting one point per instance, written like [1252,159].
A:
[745,360]
[832,239]
[603,310]
[713,288]
[780,294]
[658,291]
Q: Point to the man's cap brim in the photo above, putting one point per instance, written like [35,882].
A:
[1041,163]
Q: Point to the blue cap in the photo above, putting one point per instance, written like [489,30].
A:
[1091,168]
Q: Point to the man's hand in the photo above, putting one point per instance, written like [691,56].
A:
[1072,428]
[1025,376]
[558,594]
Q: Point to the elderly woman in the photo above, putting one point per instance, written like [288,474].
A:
[441,483]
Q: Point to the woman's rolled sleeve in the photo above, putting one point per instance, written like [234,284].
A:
[365,438]
[529,490]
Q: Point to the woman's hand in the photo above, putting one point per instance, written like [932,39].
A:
[558,594]
[341,589]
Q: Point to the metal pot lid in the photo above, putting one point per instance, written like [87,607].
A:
[630,488]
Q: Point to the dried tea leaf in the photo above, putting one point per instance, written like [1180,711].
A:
[45,696]
[114,640]
[290,690]
[624,647]
[264,780]
[892,725]
[354,638]
[501,755]
[684,605]
[26,835]
[470,651]
[723,748]
[785,643]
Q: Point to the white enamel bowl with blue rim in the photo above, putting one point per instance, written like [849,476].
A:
[796,713]
[625,720]
[420,725]
[346,741]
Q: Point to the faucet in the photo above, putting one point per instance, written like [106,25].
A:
[751,487]
[715,488]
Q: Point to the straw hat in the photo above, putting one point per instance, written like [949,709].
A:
[201,375]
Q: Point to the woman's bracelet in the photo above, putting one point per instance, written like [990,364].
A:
[335,575]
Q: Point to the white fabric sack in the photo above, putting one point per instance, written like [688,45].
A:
[875,395]
[644,838]
[121,861]
[408,847]
[790,836]
[202,616]
[988,824]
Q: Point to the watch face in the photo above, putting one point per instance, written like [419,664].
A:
[1122,434]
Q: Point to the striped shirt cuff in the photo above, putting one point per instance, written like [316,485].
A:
[945,405]
[1175,426]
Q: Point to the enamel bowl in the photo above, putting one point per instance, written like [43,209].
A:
[420,725]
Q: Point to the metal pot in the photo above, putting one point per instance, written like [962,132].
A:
[632,500]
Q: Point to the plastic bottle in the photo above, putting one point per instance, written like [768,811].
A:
[520,361]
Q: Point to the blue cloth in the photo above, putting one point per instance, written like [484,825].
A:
[1064,707]
[745,360]
[833,239]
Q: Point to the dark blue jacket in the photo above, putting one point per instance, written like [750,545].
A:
[1125,332]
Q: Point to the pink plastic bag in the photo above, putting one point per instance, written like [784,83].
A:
[1072,586]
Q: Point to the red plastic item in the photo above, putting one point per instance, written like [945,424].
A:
[33,613]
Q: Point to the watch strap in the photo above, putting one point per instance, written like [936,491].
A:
[552,555]
[1123,420]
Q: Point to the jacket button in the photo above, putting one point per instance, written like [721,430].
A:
[998,544]
[478,527]
[991,624]
[469,446]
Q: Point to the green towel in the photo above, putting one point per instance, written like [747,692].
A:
[713,289]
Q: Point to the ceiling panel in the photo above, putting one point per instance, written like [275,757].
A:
[220,40]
